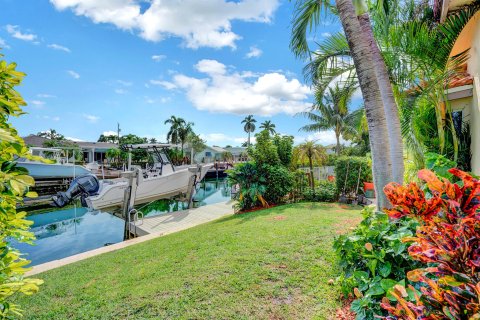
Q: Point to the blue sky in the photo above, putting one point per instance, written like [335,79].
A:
[91,64]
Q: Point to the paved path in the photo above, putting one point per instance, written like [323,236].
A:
[151,228]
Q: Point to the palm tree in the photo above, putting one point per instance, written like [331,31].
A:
[249,126]
[358,33]
[312,152]
[51,134]
[269,126]
[332,112]
[184,131]
[173,135]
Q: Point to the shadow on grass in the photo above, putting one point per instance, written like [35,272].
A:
[248,216]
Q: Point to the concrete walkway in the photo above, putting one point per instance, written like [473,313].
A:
[151,228]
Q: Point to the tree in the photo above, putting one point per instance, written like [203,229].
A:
[51,134]
[268,126]
[184,131]
[196,143]
[15,183]
[108,138]
[264,152]
[249,126]
[284,146]
[360,40]
[153,140]
[173,135]
[312,152]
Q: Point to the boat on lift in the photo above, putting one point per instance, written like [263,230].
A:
[157,181]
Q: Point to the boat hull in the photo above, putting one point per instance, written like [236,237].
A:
[52,171]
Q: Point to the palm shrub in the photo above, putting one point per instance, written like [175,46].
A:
[373,259]
[446,244]
[252,185]
[14,184]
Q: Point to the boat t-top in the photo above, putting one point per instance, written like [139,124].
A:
[157,181]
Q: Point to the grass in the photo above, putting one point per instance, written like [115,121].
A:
[269,264]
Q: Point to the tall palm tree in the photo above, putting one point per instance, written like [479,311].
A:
[358,33]
[176,123]
[312,152]
[184,131]
[269,126]
[249,126]
[332,112]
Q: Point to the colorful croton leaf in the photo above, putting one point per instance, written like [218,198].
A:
[447,242]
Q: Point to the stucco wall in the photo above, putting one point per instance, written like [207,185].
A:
[475,126]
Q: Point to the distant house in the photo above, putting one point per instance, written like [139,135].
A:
[331,149]
[216,153]
[464,92]
[92,151]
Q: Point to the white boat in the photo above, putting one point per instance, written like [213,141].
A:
[159,181]
[62,168]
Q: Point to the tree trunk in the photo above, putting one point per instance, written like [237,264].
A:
[377,126]
[389,103]
[337,150]
[248,143]
[312,182]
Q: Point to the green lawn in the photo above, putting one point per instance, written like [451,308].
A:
[269,264]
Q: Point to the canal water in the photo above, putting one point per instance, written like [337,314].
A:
[66,232]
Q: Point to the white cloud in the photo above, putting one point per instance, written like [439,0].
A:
[120,91]
[16,33]
[91,118]
[3,44]
[74,139]
[45,95]
[59,47]
[326,34]
[223,139]
[110,133]
[206,23]
[56,118]
[158,57]
[165,84]
[37,103]
[230,92]
[254,52]
[73,74]
[323,138]
[125,83]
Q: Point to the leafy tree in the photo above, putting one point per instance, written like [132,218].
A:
[51,134]
[108,138]
[152,140]
[184,131]
[284,146]
[332,112]
[196,143]
[268,126]
[14,185]
[313,153]
[249,126]
[137,155]
[264,151]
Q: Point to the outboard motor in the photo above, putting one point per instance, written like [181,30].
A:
[83,186]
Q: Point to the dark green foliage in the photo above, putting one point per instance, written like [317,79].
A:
[284,146]
[373,259]
[353,164]
[265,151]
[325,191]
[279,182]
[252,184]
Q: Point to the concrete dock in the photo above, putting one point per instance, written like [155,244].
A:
[181,220]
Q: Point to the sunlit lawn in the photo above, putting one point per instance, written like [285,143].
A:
[270,264]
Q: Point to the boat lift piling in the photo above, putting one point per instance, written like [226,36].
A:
[129,200]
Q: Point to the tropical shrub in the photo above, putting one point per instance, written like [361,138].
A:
[265,151]
[252,185]
[14,184]
[373,259]
[279,182]
[325,191]
[284,146]
[352,165]
[446,243]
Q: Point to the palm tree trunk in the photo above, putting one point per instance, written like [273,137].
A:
[337,150]
[389,103]
[248,143]
[312,183]
[363,60]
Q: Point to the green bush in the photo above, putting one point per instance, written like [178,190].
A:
[353,164]
[373,259]
[325,191]
[252,185]
[279,182]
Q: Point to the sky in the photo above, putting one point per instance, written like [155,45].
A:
[92,64]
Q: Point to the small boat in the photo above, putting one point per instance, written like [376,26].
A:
[61,169]
[158,181]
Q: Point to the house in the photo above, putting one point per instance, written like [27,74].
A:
[216,153]
[464,92]
[91,151]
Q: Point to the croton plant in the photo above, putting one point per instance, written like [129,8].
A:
[447,242]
